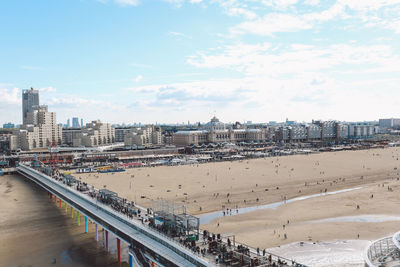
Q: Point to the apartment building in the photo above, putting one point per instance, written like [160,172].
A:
[146,136]
[95,133]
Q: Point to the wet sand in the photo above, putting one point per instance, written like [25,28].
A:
[267,228]
[215,186]
[34,231]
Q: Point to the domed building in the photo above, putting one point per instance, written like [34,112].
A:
[214,125]
[215,131]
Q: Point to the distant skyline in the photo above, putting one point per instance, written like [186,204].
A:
[169,61]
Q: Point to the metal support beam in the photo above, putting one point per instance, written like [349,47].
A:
[130,259]
[97,233]
[106,239]
[134,258]
[86,225]
[119,249]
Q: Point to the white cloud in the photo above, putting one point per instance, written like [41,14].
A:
[266,60]
[311,80]
[10,105]
[312,2]
[280,3]
[47,89]
[10,96]
[367,11]
[367,4]
[138,78]
[179,3]
[73,100]
[272,23]
[392,24]
[308,95]
[238,11]
[127,2]
[179,34]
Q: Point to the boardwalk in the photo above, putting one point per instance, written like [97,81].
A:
[164,250]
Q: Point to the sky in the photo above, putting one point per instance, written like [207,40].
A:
[174,61]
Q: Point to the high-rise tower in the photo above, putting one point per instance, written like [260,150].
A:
[39,128]
[30,99]
[75,122]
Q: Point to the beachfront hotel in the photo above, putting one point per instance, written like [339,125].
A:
[217,132]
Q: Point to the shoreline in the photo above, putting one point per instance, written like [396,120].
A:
[244,184]
[211,216]
[259,182]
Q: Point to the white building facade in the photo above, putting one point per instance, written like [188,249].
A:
[96,133]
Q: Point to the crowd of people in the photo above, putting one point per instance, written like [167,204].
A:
[225,253]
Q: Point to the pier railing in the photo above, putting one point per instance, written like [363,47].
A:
[167,242]
[381,251]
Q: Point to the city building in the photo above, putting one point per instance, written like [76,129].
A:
[120,133]
[146,136]
[8,142]
[96,133]
[328,130]
[389,123]
[30,99]
[81,123]
[168,138]
[282,134]
[313,132]
[69,134]
[342,131]
[40,129]
[8,125]
[360,131]
[298,133]
[216,132]
[75,122]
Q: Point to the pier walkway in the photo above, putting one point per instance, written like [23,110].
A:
[157,248]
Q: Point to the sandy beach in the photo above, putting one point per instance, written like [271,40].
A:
[34,231]
[214,186]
